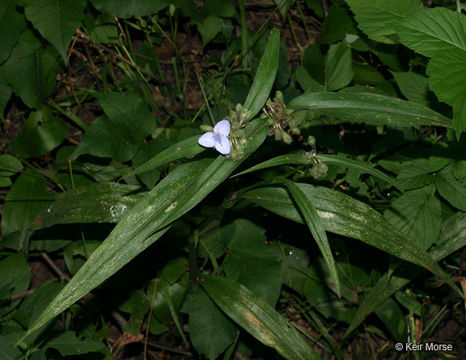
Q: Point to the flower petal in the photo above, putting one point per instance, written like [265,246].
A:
[222,127]
[207,140]
[223,146]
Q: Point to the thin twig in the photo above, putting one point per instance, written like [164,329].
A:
[166,348]
[63,277]
[20,295]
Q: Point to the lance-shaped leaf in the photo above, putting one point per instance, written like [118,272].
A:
[315,225]
[258,318]
[370,108]
[185,148]
[146,222]
[452,238]
[265,75]
[303,159]
[96,203]
[343,215]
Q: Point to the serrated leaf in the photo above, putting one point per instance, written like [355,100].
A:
[452,238]
[265,76]
[338,69]
[207,322]
[343,215]
[447,78]
[316,227]
[451,189]
[378,18]
[417,213]
[146,222]
[258,318]
[96,203]
[433,31]
[56,20]
[370,108]
[415,174]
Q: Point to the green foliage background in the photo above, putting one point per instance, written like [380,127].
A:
[150,236]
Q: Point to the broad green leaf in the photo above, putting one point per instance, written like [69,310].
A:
[447,78]
[415,174]
[7,351]
[258,318]
[41,133]
[307,83]
[303,159]
[185,148]
[96,203]
[31,70]
[378,19]
[210,331]
[343,215]
[56,21]
[337,25]
[35,303]
[315,225]
[15,277]
[67,343]
[393,318]
[433,32]
[417,214]
[452,238]
[209,28]
[370,108]
[9,166]
[284,6]
[126,9]
[148,220]
[26,199]
[252,261]
[265,76]
[136,305]
[413,86]
[122,131]
[338,69]
[451,189]
[12,24]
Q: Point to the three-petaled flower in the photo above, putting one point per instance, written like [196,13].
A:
[218,138]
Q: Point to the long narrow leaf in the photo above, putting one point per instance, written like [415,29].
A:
[257,317]
[146,222]
[452,238]
[185,148]
[343,215]
[265,75]
[370,109]
[299,159]
[315,225]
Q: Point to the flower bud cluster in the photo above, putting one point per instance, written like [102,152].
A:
[238,119]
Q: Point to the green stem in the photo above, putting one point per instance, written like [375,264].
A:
[458,6]
[206,101]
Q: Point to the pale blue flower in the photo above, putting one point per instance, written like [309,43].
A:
[218,138]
